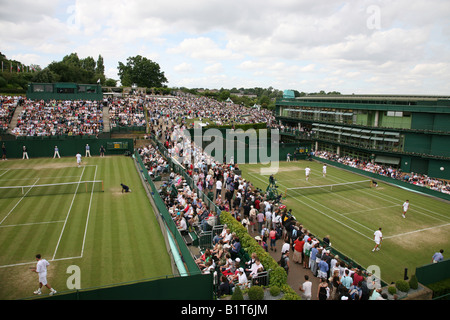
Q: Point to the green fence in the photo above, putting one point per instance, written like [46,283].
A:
[196,287]
[38,147]
[433,272]
[129,129]
[436,276]
[186,255]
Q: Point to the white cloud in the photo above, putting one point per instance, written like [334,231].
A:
[317,45]
[203,48]
[183,67]
[214,68]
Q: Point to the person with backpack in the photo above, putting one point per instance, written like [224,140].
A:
[284,261]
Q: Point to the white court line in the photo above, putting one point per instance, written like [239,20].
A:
[359,211]
[53,259]
[328,208]
[365,236]
[30,224]
[34,262]
[4,172]
[18,202]
[68,213]
[89,212]
[411,208]
[336,179]
[420,230]
[373,209]
[41,178]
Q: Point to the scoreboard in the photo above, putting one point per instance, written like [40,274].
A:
[120,145]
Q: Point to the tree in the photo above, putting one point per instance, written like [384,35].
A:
[100,70]
[74,69]
[110,82]
[141,71]
[46,76]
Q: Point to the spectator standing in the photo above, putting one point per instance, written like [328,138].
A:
[56,154]
[305,288]
[284,261]
[88,151]
[24,153]
[218,187]
[346,280]
[298,250]
[260,218]
[4,151]
[323,290]
[306,253]
[273,239]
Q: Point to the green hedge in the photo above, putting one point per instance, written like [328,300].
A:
[441,288]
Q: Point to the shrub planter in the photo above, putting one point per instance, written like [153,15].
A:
[421,293]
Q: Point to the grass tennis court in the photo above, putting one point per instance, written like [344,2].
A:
[351,216]
[112,237]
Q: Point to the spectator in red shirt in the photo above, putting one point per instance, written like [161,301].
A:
[357,277]
[298,250]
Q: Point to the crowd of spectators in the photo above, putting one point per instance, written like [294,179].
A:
[388,171]
[184,107]
[7,107]
[49,118]
[127,112]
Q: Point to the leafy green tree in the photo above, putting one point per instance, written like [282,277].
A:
[74,69]
[141,71]
[46,76]
[110,82]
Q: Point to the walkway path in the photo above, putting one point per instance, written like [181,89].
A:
[13,122]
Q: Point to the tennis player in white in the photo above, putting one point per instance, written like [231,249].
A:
[307,172]
[377,237]
[324,170]
[78,159]
[405,207]
[41,269]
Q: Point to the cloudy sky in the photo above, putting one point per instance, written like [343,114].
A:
[355,46]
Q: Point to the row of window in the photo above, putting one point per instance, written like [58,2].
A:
[387,119]
[49,89]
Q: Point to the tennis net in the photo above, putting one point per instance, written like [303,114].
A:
[304,191]
[51,189]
